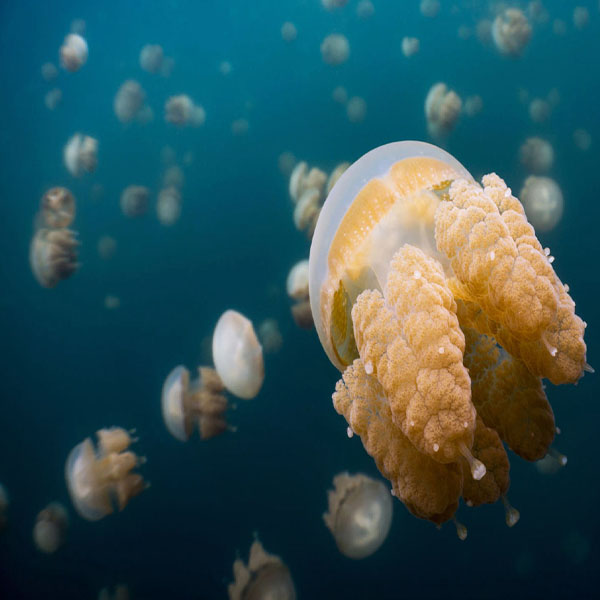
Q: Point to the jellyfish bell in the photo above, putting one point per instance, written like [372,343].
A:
[297,281]
[359,515]
[442,110]
[536,155]
[129,101]
[288,32]
[340,95]
[539,110]
[430,8]
[134,200]
[181,110]
[73,52]
[543,202]
[333,4]
[511,32]
[49,71]
[173,177]
[57,207]
[50,528]
[151,58]
[238,355]
[53,255]
[410,46]
[335,49]
[80,154]
[270,336]
[365,9]
[581,17]
[168,206]
[52,98]
[356,109]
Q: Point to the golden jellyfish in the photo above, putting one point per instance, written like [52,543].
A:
[552,463]
[238,355]
[430,8]
[50,529]
[511,32]
[335,49]
[365,9]
[53,255]
[442,110]
[410,46]
[537,12]
[359,514]
[49,71]
[168,206]
[129,101]
[194,404]
[121,592]
[80,154]
[4,502]
[52,98]
[289,32]
[151,58]
[106,247]
[264,577]
[582,139]
[57,208]
[536,155]
[356,109]
[181,110]
[483,30]
[433,296]
[73,52]
[543,202]
[270,336]
[134,200]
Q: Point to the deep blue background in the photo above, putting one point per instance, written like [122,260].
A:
[70,367]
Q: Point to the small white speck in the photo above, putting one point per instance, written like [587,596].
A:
[492,255]
[392,492]
[465,424]
[412,423]
[551,259]
[567,288]
[441,349]
[368,367]
[508,193]
[417,274]
[349,432]
[436,447]
[547,251]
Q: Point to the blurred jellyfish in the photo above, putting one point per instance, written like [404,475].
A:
[270,336]
[464,32]
[151,58]
[129,100]
[107,246]
[181,110]
[189,158]
[340,94]
[200,403]
[50,528]
[356,109]
[288,32]
[168,206]
[511,32]
[78,26]
[410,46]
[297,289]
[539,110]
[96,192]
[121,593]
[286,162]
[335,49]
[442,110]
[430,8]
[537,12]
[306,211]
[543,202]
[537,155]
[365,9]
[167,67]
[111,302]
[225,67]
[303,179]
[57,208]
[73,52]
[552,463]
[360,514]
[145,115]
[473,105]
[134,200]
[240,127]
[80,154]
[4,502]
[53,255]
[581,17]
[483,30]
[582,139]
[49,71]
[100,479]
[559,27]
[167,155]
[264,577]
[333,4]
[52,98]
[173,177]
[238,355]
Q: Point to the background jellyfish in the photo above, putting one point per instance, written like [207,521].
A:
[168,206]
[57,208]
[265,576]
[52,98]
[286,162]
[511,32]
[129,101]
[49,71]
[111,302]
[80,154]
[4,502]
[78,26]
[134,200]
[297,289]
[430,8]
[181,110]
[335,49]
[356,109]
[543,202]
[536,155]
[365,9]
[199,403]
[288,32]
[53,255]
[340,94]
[539,110]
[106,247]
[359,515]
[240,127]
[581,17]
[410,46]
[442,110]
[151,58]
[121,592]
[333,4]
[473,105]
[582,139]
[238,355]
[50,529]
[101,478]
[73,52]
[270,336]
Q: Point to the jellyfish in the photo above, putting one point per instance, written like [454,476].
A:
[360,514]
[581,17]
[303,179]
[129,101]
[410,46]
[270,336]
[4,502]
[49,71]
[50,528]
[173,177]
[539,110]
[543,202]
[52,98]
[168,206]
[225,67]
[432,295]
[151,58]
[297,290]
[473,105]
[559,27]
[335,49]
[107,246]
[240,127]
[101,479]
[73,52]
[265,576]
[582,139]
[286,162]
[333,4]
[340,95]
[121,592]
[78,26]
[365,9]
[289,32]
[536,155]
[111,302]
[81,154]
[53,255]
[537,12]
[200,403]
[134,200]
[442,110]
[356,109]
[511,32]
[181,110]
[57,208]
[430,8]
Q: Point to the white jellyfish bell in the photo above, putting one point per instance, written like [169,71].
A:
[50,528]
[73,52]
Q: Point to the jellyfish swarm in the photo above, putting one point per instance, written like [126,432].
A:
[101,479]
[73,53]
[360,514]
[81,154]
[434,297]
[189,404]
[50,528]
[265,576]
[543,202]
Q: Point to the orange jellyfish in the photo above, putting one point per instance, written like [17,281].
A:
[53,255]
[102,479]
[434,297]
[50,528]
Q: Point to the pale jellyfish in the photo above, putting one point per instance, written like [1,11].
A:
[52,98]
[365,9]
[129,101]
[297,281]
[582,139]
[356,109]
[4,502]
[49,71]
[581,17]
[483,30]
[335,49]
[173,177]
[238,355]
[53,255]
[167,155]
[537,12]
[50,528]
[181,110]
[543,202]
[306,211]
[240,127]
[225,67]
[511,32]
[134,200]
[78,26]
[111,302]
[539,110]
[303,179]
[57,208]
[286,162]
[73,52]
[151,58]
[167,66]
[107,246]
[537,155]
[473,105]
[464,32]
[340,94]
[289,32]
[101,479]
[168,206]
[442,110]
[121,592]
[552,463]
[264,577]
[270,336]
[80,154]
[360,514]
[410,46]
[333,4]
[194,404]
[430,8]
[559,27]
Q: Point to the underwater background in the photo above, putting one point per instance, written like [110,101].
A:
[70,366]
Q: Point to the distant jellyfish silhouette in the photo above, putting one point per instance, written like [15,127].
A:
[539,110]
[101,479]
[134,200]
[173,177]
[151,58]
[129,101]
[511,32]
[80,154]
[49,71]
[289,32]
[335,49]
[73,52]
[4,503]
[340,94]
[111,302]
[410,46]
[543,202]
[168,206]
[581,17]
[50,530]
[181,110]
[53,255]
[536,155]
[359,515]
[473,105]
[52,98]
[270,336]
[430,8]
[356,109]
[57,208]
[264,577]
[582,139]
[365,9]
[238,355]
[333,4]
[442,110]
[107,246]
[240,126]
[121,592]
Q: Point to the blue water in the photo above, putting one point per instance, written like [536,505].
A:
[70,367]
